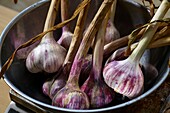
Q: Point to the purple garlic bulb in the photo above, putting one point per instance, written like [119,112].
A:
[150,72]
[72,98]
[125,77]
[98,92]
[111,32]
[48,56]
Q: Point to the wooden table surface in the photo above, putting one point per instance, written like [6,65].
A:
[6,15]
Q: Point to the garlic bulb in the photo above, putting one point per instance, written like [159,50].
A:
[150,72]
[71,97]
[111,32]
[125,76]
[48,56]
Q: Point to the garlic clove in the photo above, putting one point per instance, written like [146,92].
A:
[71,98]
[125,77]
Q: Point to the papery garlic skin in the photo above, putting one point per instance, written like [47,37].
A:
[125,77]
[48,56]
[72,99]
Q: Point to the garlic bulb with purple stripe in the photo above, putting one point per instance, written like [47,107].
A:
[48,56]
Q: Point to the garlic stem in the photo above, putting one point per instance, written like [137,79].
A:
[51,16]
[112,46]
[120,42]
[150,31]
[165,41]
[163,32]
[113,11]
[66,35]
[99,48]
[87,39]
[77,36]
[64,13]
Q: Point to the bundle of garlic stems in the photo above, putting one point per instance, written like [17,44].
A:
[152,6]
[71,91]
[161,38]
[60,79]
[125,76]
[51,87]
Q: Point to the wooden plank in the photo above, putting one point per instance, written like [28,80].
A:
[6,16]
